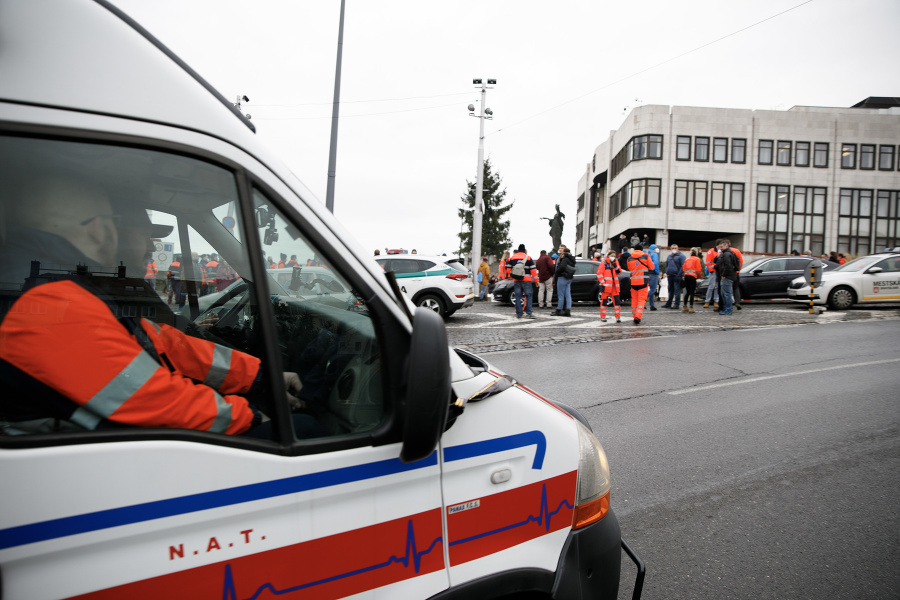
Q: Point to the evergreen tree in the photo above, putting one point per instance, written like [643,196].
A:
[495,228]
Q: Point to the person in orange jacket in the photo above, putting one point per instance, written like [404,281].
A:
[712,292]
[640,264]
[504,271]
[152,270]
[82,366]
[692,270]
[523,284]
[608,276]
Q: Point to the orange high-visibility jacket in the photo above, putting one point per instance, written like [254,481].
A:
[212,267]
[639,263]
[530,274]
[151,270]
[68,339]
[693,267]
[739,255]
[503,274]
[711,255]
[608,276]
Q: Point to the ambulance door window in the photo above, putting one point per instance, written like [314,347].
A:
[325,331]
[109,320]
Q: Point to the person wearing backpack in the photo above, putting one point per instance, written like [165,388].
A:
[565,270]
[523,272]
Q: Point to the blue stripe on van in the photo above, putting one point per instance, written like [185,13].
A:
[148,511]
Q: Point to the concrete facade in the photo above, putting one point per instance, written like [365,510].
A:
[763,208]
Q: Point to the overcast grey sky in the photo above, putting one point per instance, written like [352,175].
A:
[567,73]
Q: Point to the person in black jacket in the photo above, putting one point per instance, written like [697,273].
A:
[565,270]
[727,266]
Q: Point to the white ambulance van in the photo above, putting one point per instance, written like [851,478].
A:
[303,435]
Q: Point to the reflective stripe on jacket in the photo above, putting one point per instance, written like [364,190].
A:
[151,270]
[503,273]
[608,276]
[693,267]
[531,273]
[68,339]
[639,264]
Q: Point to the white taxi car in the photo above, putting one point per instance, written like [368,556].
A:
[867,279]
[438,283]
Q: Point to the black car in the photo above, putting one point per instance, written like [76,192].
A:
[585,287]
[768,277]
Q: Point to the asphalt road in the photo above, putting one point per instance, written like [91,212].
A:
[757,460]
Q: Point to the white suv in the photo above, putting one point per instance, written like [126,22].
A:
[867,279]
[438,283]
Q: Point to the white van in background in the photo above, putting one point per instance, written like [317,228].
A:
[391,467]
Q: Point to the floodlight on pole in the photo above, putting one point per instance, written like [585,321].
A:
[478,208]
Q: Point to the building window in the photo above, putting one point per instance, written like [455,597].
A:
[690,194]
[738,150]
[784,153]
[886,158]
[765,152]
[683,151]
[727,196]
[867,157]
[720,149]
[701,149]
[772,218]
[848,156]
[887,219]
[820,156]
[637,192]
[638,148]
[855,221]
[808,219]
[801,154]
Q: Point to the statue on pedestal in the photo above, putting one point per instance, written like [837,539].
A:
[556,227]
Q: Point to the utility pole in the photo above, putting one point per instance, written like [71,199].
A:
[478,208]
[332,154]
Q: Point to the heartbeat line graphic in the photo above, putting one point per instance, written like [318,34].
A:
[542,518]
[412,554]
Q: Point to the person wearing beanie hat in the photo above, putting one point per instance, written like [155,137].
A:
[524,272]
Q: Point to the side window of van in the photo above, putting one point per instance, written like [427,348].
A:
[126,296]
[325,331]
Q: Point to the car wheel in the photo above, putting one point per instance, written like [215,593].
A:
[431,302]
[841,298]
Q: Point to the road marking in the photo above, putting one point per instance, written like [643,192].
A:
[766,377]
[655,337]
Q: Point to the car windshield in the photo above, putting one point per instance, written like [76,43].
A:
[857,264]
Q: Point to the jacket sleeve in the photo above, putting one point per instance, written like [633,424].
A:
[68,339]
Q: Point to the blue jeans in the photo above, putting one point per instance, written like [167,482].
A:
[484,288]
[653,283]
[727,297]
[712,292]
[520,287]
[674,290]
[563,293]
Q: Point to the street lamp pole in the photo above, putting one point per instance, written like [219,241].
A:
[478,208]
[335,113]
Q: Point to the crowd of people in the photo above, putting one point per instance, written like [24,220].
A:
[721,264]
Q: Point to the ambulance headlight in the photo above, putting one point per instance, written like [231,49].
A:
[592,495]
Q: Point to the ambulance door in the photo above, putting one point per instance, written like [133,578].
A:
[288,484]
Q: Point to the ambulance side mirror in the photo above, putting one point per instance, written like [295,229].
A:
[427,399]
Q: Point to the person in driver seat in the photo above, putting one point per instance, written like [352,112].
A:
[69,359]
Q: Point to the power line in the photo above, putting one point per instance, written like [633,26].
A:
[392,112]
[657,65]
[367,101]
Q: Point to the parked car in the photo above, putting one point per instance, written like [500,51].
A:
[585,286]
[865,280]
[768,277]
[438,283]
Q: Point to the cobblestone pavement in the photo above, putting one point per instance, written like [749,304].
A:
[492,326]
